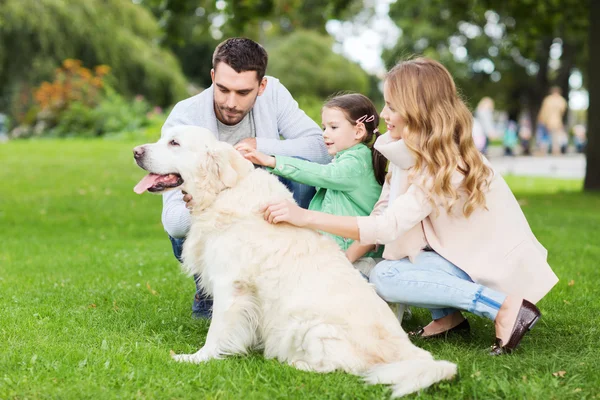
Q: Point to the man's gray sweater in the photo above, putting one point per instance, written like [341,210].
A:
[276,116]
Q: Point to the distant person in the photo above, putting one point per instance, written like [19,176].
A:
[244,108]
[479,137]
[484,116]
[456,238]
[579,138]
[511,135]
[525,133]
[550,121]
[3,128]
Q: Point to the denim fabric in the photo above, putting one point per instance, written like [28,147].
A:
[302,193]
[434,283]
[202,305]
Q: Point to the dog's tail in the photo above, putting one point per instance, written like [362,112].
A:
[410,375]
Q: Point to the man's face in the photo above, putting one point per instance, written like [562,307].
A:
[235,93]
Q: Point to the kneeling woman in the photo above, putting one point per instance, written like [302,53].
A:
[456,238]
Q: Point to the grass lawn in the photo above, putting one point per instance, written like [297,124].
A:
[92,300]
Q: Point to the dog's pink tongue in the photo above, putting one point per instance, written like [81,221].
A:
[145,183]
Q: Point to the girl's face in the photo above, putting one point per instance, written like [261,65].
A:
[339,134]
[393,120]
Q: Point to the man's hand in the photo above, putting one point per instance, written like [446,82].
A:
[188,200]
[245,145]
[285,211]
[258,158]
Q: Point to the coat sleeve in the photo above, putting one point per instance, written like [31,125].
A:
[405,212]
[303,137]
[179,115]
[339,175]
[175,217]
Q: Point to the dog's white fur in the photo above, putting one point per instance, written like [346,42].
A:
[288,290]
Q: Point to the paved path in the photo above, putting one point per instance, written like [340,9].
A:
[569,166]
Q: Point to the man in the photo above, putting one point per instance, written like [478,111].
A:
[243,107]
[550,120]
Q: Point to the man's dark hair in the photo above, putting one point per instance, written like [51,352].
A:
[242,55]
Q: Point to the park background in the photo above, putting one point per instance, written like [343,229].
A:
[91,298]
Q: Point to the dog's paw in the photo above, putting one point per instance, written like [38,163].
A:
[196,358]
[188,358]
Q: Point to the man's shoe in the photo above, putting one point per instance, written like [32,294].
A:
[462,328]
[528,316]
[202,307]
[201,315]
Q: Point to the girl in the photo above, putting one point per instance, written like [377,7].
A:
[456,238]
[351,184]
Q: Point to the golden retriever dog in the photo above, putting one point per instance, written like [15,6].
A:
[287,290]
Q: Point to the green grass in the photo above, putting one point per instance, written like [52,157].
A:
[92,300]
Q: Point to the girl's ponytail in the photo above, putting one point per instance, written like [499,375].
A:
[379,161]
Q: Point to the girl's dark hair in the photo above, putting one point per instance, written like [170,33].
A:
[356,106]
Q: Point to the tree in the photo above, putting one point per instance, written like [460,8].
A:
[37,35]
[592,175]
[186,31]
[520,37]
[246,17]
[307,66]
[497,47]
[192,29]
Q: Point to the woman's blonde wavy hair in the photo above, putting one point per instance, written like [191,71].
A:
[438,131]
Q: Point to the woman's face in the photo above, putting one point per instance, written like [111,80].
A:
[393,120]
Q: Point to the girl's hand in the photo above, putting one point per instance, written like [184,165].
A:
[258,158]
[189,204]
[285,211]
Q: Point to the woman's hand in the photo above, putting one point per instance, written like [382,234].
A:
[258,158]
[285,211]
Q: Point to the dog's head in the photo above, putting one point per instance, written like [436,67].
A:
[192,158]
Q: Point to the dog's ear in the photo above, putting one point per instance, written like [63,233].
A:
[232,166]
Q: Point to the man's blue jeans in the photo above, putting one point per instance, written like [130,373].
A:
[202,306]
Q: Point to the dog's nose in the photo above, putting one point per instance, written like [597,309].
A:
[138,152]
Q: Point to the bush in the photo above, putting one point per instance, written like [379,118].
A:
[37,35]
[112,115]
[80,102]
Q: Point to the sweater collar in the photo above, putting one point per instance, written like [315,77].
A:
[395,150]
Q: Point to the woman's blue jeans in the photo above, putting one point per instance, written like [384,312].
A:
[434,283]
[202,305]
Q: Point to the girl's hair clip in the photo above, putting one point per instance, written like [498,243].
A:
[365,118]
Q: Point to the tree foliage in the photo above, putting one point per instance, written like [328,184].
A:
[186,31]
[193,29]
[37,35]
[513,39]
[517,37]
[307,66]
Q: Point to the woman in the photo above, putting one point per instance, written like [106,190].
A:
[456,238]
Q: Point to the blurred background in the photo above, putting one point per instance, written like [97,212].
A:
[113,68]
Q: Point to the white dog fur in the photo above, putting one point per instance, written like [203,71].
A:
[287,290]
